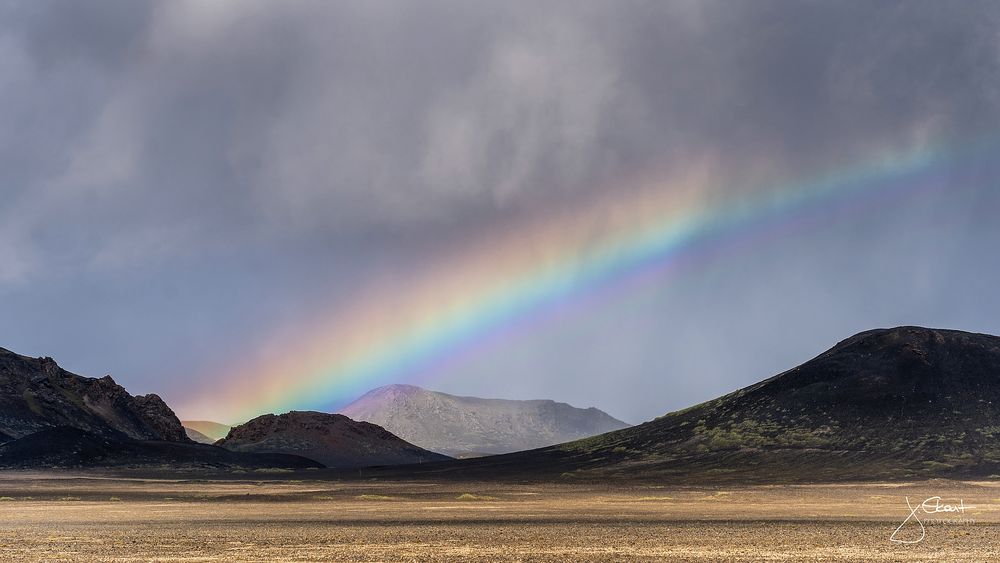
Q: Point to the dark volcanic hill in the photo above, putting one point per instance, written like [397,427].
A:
[470,426]
[331,439]
[67,447]
[896,403]
[36,394]
[50,417]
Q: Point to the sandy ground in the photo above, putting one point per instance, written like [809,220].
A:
[64,518]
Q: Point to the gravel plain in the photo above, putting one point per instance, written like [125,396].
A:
[61,517]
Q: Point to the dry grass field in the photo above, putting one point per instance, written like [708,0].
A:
[58,517]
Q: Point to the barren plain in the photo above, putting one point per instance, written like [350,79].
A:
[266,517]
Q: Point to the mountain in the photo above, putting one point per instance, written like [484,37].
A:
[331,439]
[212,430]
[50,417]
[901,403]
[469,426]
[35,394]
[198,437]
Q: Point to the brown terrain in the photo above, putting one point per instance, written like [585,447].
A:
[262,516]
[331,439]
[815,464]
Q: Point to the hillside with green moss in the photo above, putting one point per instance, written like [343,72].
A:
[897,403]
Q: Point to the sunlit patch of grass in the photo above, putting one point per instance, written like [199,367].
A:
[470,496]
[374,497]
[69,498]
[6,498]
[115,499]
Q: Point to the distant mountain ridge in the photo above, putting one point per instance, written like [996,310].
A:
[886,404]
[35,394]
[331,439]
[469,426]
[198,437]
[211,430]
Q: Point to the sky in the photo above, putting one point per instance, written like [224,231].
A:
[193,194]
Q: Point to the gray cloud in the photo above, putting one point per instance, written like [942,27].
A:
[156,155]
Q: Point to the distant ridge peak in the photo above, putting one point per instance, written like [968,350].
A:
[410,389]
[467,426]
[396,387]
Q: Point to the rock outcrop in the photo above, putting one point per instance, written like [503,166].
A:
[35,394]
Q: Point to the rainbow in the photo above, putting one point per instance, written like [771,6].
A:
[401,330]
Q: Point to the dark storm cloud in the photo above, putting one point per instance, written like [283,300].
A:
[102,33]
[352,115]
[156,155]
